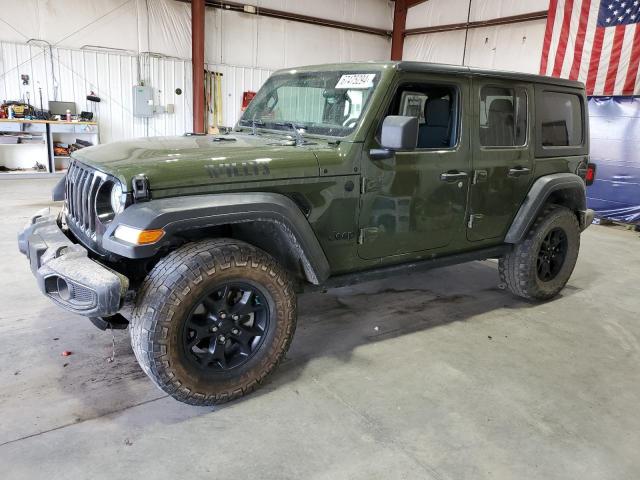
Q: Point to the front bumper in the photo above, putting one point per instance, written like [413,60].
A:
[66,274]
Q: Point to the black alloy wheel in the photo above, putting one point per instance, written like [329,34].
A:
[212,320]
[226,327]
[539,266]
[552,254]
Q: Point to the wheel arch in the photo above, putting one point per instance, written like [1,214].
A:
[270,221]
[566,189]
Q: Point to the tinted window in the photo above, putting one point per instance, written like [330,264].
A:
[503,117]
[435,106]
[561,119]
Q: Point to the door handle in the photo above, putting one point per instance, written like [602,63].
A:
[518,172]
[453,176]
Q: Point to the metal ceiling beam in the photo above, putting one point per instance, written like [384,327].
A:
[399,25]
[413,3]
[400,10]
[526,17]
[294,17]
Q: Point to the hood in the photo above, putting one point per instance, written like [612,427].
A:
[171,162]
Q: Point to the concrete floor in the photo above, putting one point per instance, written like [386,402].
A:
[438,375]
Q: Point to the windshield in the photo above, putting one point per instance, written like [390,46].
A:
[323,103]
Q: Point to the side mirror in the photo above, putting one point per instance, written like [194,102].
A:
[399,133]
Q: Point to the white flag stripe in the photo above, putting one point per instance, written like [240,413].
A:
[623,68]
[555,37]
[588,40]
[571,40]
[605,56]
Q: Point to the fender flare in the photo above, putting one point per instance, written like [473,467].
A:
[57,193]
[574,194]
[176,215]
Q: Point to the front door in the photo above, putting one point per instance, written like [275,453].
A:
[502,155]
[415,201]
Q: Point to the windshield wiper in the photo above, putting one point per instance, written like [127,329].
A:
[294,128]
[255,123]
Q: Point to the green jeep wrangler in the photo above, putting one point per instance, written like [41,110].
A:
[335,174]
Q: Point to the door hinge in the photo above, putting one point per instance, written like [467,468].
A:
[370,184]
[368,233]
[473,217]
[479,176]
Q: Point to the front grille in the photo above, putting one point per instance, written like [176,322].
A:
[82,187]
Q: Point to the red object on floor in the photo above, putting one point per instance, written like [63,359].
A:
[66,353]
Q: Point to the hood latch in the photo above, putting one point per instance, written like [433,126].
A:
[140,187]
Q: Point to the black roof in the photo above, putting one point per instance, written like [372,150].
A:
[425,67]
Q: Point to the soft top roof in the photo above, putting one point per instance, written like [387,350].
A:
[426,67]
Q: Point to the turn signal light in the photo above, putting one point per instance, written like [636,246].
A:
[150,236]
[137,236]
[590,176]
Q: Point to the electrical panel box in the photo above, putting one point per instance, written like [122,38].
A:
[143,101]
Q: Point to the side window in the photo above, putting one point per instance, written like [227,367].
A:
[561,119]
[435,106]
[503,117]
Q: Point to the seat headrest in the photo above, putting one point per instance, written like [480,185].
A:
[501,105]
[436,112]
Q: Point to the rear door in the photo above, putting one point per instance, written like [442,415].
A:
[501,133]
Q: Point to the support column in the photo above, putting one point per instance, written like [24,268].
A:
[197,60]
[399,25]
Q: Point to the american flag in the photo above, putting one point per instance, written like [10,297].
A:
[596,42]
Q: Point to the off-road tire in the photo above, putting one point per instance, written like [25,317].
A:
[170,292]
[518,268]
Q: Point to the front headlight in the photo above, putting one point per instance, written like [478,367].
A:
[110,201]
[118,199]
[137,236]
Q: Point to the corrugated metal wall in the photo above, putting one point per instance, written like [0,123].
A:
[516,46]
[235,81]
[245,48]
[111,76]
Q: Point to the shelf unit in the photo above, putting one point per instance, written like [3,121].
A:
[68,132]
[14,154]
[25,155]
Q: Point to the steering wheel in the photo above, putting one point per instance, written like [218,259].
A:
[351,122]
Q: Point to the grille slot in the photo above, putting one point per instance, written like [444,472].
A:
[82,187]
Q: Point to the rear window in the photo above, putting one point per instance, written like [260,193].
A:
[503,117]
[561,120]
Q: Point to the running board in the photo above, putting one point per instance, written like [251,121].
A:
[409,267]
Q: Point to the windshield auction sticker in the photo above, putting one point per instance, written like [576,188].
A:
[356,80]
